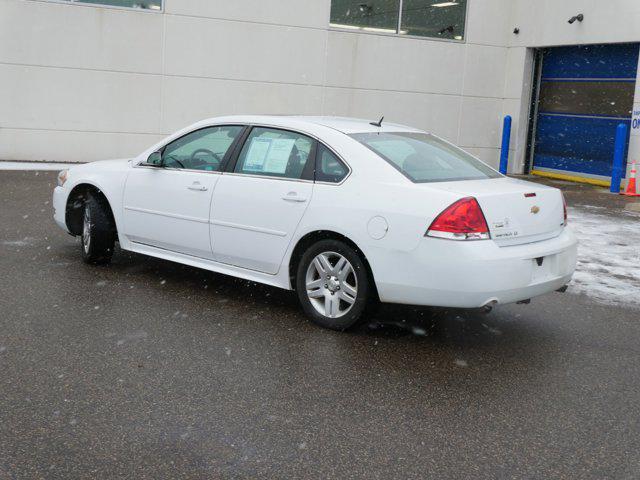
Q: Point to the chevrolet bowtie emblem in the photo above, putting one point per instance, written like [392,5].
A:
[535,209]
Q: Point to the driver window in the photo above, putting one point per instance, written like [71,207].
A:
[201,150]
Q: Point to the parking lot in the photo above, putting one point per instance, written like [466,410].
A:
[149,369]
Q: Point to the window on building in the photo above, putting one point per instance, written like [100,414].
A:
[436,18]
[142,4]
[373,15]
[423,18]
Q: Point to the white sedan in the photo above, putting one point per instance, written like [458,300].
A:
[343,211]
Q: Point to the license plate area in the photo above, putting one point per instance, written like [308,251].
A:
[543,268]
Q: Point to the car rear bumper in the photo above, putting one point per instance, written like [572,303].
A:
[472,274]
[60,207]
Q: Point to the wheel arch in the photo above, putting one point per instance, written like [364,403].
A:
[75,203]
[312,237]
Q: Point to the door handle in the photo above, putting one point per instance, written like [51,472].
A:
[197,187]
[293,197]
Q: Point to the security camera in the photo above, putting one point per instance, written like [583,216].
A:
[578,17]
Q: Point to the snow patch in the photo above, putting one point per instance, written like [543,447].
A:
[495,331]
[608,268]
[34,166]
[17,243]
[419,331]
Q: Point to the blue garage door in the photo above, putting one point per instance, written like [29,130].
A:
[585,92]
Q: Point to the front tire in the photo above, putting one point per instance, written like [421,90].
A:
[333,285]
[98,232]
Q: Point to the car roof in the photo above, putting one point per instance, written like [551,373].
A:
[345,125]
[355,125]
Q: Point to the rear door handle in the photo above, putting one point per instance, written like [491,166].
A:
[293,197]
[197,187]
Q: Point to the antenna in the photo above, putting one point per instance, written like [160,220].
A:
[378,123]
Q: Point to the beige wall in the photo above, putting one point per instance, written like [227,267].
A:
[82,83]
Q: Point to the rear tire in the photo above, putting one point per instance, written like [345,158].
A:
[333,285]
[98,231]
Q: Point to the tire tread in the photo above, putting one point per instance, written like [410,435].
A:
[103,234]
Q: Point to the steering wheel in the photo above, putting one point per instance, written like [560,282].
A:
[174,159]
[208,152]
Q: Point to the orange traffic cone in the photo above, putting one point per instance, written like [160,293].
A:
[631,183]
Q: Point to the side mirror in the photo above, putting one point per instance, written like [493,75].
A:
[154,160]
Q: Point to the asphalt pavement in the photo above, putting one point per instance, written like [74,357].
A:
[150,369]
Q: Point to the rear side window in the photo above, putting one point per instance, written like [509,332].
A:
[424,158]
[329,168]
[275,153]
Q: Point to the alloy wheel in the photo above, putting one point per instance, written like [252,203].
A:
[332,285]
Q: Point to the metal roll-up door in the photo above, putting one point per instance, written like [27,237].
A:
[585,92]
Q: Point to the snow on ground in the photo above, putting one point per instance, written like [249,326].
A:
[608,269]
[34,166]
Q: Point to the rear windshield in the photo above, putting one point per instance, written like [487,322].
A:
[424,158]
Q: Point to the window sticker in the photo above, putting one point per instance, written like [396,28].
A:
[268,155]
[278,155]
[257,155]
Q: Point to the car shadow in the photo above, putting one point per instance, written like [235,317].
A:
[430,325]
[451,349]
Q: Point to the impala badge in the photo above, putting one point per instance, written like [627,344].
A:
[503,224]
[535,209]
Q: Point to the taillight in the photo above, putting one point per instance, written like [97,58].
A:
[564,206]
[462,220]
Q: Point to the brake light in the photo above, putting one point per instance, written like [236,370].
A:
[462,220]
[564,206]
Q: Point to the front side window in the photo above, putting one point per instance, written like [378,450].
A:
[424,158]
[275,153]
[142,4]
[201,150]
[423,18]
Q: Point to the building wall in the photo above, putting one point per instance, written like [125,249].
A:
[543,23]
[80,83]
[83,83]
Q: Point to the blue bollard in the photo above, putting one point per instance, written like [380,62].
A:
[506,138]
[618,157]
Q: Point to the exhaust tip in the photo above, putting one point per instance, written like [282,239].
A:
[487,307]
